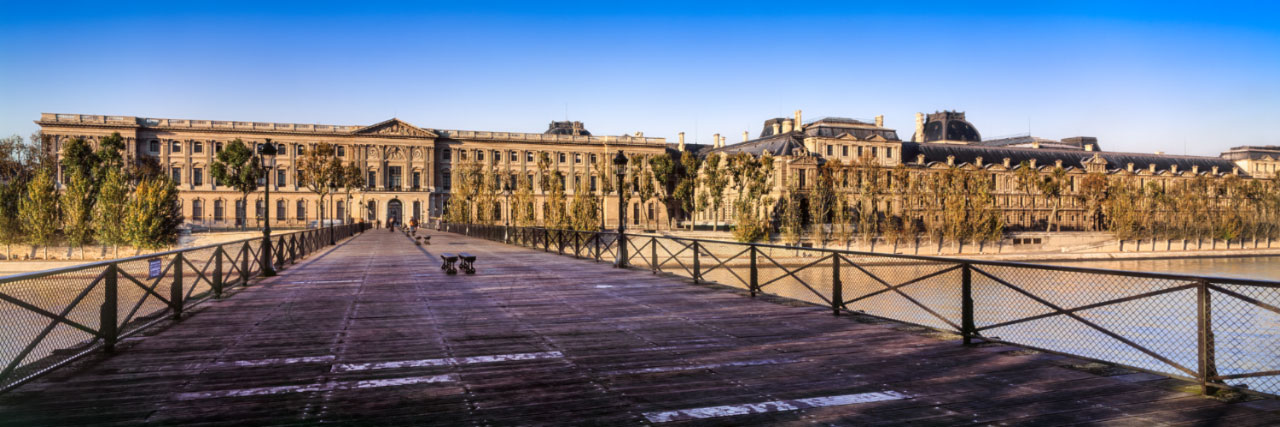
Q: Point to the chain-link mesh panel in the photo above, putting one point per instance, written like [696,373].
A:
[1120,308]
[136,305]
[31,342]
[799,274]
[724,263]
[922,292]
[675,256]
[1246,335]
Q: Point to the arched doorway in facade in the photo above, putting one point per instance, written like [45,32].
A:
[395,210]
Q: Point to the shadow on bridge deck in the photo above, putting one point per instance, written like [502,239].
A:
[374,332]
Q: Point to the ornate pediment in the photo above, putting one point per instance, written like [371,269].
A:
[395,127]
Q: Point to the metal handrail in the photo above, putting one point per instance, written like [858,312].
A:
[1217,299]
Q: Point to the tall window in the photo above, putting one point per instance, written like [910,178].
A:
[373,178]
[197,147]
[257,209]
[528,156]
[372,210]
[217,147]
[844,150]
[175,146]
[393,177]
[239,211]
[561,157]
[342,151]
[577,157]
[197,209]
[341,212]
[280,176]
[593,183]
[417,207]
[176,174]
[282,149]
[593,159]
[417,179]
[446,179]
[514,157]
[280,214]
[197,176]
[153,146]
[302,210]
[480,155]
[444,154]
[217,210]
[831,150]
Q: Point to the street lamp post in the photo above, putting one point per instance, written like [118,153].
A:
[267,159]
[620,169]
[506,234]
[333,187]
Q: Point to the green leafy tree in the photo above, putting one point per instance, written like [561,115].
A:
[668,174]
[322,172]
[686,190]
[715,181]
[77,210]
[78,157]
[153,216]
[39,212]
[554,216]
[237,167]
[12,191]
[113,198]
[792,215]
[110,155]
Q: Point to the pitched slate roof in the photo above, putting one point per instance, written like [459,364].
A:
[1047,156]
[785,144]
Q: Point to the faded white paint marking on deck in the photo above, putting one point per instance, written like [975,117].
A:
[330,386]
[313,282]
[278,361]
[397,364]
[701,366]
[772,406]
[603,286]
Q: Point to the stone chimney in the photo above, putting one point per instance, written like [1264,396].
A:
[722,139]
[977,161]
[1173,168]
[1151,167]
[1007,162]
[786,126]
[682,141]
[746,136]
[777,128]
[1088,147]
[951,160]
[1195,169]
[1130,167]
[1057,163]
[799,125]
[919,137]
[1215,170]
[1035,143]
[1033,163]
[919,159]
[715,141]
[880,121]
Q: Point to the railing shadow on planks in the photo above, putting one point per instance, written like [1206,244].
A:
[51,318]
[1223,333]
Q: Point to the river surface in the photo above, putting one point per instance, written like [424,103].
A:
[1262,268]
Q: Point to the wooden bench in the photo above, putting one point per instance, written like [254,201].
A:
[424,240]
[468,262]
[448,265]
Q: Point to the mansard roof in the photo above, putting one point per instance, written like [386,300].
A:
[1045,156]
[394,127]
[783,144]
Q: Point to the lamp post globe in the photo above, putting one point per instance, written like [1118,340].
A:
[620,170]
[267,160]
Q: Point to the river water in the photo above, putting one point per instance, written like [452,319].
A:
[1262,267]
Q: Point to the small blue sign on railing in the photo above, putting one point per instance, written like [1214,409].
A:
[153,268]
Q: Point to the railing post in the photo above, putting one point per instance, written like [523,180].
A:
[244,264]
[175,290]
[293,248]
[216,283]
[967,328]
[755,281]
[837,289]
[622,250]
[107,312]
[279,253]
[697,267]
[653,254]
[1208,366]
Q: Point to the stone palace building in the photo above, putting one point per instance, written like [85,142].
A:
[409,167]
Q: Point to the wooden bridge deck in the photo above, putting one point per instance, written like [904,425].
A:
[374,332]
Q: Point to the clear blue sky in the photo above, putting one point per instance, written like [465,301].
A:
[1140,77]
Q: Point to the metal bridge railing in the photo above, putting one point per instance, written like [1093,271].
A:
[1220,332]
[51,318]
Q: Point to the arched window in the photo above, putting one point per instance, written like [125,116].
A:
[217,210]
[372,210]
[280,213]
[197,210]
[302,210]
[341,212]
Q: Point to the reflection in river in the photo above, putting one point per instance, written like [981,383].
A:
[1263,268]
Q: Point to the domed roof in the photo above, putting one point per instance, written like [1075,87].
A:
[567,128]
[950,126]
